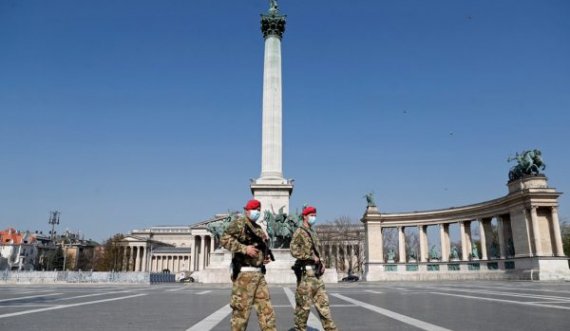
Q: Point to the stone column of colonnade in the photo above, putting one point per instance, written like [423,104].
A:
[137,263]
[558,247]
[536,232]
[374,252]
[196,254]
[423,243]
[501,234]
[444,241]
[201,256]
[402,245]
[462,235]
[192,252]
[468,238]
[483,236]
[144,259]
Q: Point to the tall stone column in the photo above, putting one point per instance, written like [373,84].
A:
[192,253]
[502,243]
[483,238]
[202,251]
[444,243]
[271,189]
[402,244]
[137,258]
[468,237]
[535,232]
[212,245]
[423,243]
[464,254]
[555,223]
[144,260]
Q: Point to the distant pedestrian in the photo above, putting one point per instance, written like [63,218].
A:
[309,269]
[248,243]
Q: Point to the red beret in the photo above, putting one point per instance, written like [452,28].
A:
[252,204]
[309,210]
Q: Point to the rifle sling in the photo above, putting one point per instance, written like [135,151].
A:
[312,242]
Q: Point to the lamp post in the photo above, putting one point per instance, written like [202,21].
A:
[53,221]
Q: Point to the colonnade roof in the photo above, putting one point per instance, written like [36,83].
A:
[487,209]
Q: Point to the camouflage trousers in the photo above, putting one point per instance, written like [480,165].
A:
[250,289]
[312,290]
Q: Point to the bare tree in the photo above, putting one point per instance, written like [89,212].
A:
[110,258]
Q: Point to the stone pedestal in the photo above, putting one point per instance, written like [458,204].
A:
[373,271]
[273,194]
[278,271]
[529,182]
[219,269]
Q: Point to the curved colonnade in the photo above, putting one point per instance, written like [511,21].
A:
[528,229]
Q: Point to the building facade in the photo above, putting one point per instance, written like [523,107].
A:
[168,248]
[18,250]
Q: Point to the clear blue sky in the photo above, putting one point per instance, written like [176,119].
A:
[127,114]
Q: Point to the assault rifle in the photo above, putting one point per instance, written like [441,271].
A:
[259,243]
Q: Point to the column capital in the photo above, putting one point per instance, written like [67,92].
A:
[273,24]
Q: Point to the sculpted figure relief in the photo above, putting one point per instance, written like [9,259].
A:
[528,163]
[273,6]
[370,199]
[391,254]
[454,253]
[474,251]
[217,228]
[433,253]
[280,228]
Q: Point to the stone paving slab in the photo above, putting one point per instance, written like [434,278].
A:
[434,306]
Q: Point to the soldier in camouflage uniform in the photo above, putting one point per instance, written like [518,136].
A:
[249,287]
[310,288]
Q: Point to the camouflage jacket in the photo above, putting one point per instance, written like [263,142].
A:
[235,239]
[302,243]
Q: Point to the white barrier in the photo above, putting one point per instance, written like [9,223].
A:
[78,277]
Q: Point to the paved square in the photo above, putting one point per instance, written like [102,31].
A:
[474,305]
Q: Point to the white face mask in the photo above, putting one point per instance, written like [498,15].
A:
[312,220]
[254,215]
